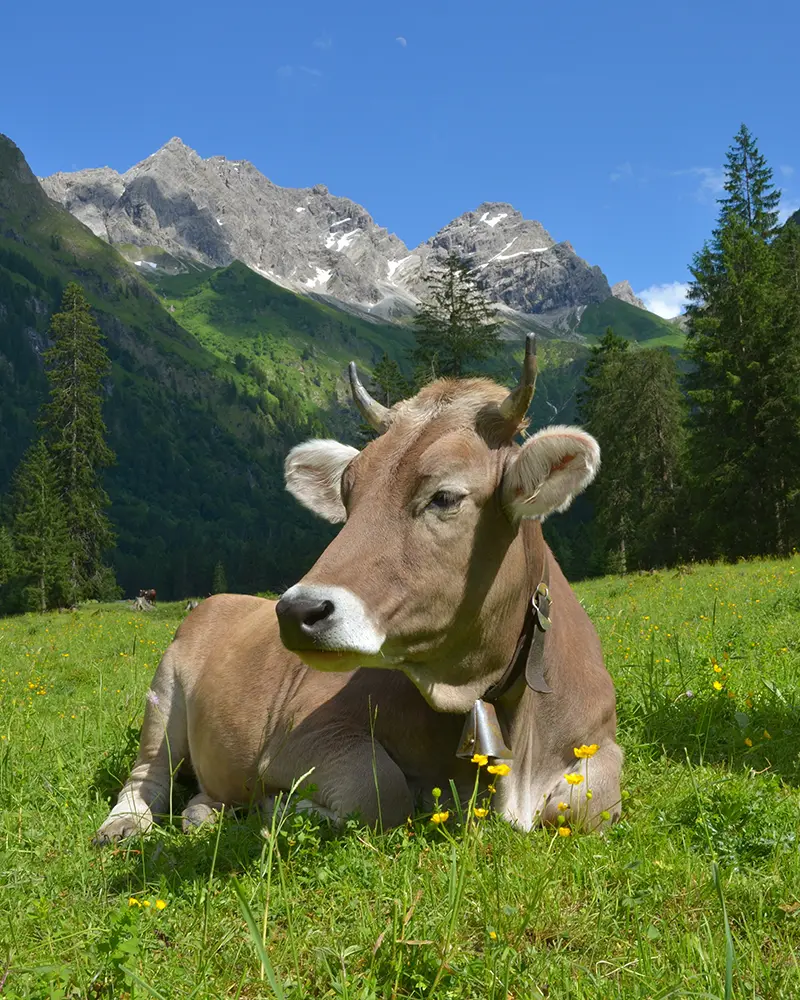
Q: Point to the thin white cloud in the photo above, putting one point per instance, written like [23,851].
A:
[667,300]
[323,42]
[622,172]
[711,181]
[401,41]
[786,170]
[290,71]
[787,207]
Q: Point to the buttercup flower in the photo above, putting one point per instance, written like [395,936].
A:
[480,759]
[748,742]
[717,686]
[500,769]
[493,935]
[161,904]
[133,902]
[563,806]
[481,813]
[564,831]
[573,779]
[766,735]
[583,752]
[440,817]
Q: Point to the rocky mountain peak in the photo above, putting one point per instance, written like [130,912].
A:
[623,291]
[217,210]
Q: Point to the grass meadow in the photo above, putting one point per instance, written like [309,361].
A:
[695,893]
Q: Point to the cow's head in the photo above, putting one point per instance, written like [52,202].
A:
[428,570]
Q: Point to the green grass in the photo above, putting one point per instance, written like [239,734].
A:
[493,914]
[629,322]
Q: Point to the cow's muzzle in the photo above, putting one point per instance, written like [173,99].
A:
[316,618]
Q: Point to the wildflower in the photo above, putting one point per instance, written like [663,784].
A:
[152,697]
[766,735]
[564,831]
[748,742]
[717,668]
[440,817]
[573,779]
[161,904]
[480,759]
[499,769]
[481,813]
[717,686]
[563,806]
[133,902]
[146,902]
[493,935]
[492,789]
[583,752]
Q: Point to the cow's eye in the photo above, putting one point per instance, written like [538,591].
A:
[445,500]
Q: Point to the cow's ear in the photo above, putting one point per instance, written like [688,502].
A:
[313,473]
[548,470]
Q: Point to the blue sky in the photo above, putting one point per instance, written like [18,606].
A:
[608,122]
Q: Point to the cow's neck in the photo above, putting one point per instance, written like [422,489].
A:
[490,638]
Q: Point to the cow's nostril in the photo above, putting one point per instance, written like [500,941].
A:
[319,612]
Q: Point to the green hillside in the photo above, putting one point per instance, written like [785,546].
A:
[200,419]
[629,322]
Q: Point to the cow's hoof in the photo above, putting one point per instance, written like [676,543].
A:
[117,828]
[196,815]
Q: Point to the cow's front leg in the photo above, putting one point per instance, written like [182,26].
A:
[198,810]
[352,775]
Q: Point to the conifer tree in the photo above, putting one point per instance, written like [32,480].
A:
[40,532]
[745,417]
[8,559]
[75,432]
[633,405]
[219,583]
[455,324]
[391,384]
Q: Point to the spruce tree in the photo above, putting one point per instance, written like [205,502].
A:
[632,403]
[219,582]
[8,559]
[75,432]
[391,384]
[42,542]
[745,417]
[455,324]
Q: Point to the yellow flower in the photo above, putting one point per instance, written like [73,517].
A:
[766,735]
[499,769]
[481,813]
[573,779]
[748,742]
[493,935]
[582,752]
[133,902]
[717,686]
[145,902]
[717,668]
[563,806]
[440,817]
[161,904]
[564,831]
[480,759]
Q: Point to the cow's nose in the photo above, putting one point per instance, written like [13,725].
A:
[302,619]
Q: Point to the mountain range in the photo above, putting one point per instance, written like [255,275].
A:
[230,309]
[175,208]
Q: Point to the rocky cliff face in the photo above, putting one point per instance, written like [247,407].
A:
[218,210]
[623,291]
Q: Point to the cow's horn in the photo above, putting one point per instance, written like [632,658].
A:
[515,405]
[376,414]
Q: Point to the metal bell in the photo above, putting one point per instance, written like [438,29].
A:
[482,733]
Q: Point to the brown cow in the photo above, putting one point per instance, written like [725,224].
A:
[428,586]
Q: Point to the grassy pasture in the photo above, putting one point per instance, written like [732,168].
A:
[698,884]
